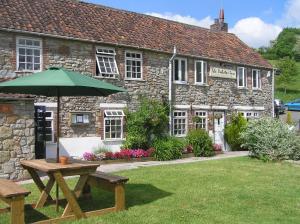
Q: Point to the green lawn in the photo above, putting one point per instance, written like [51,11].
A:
[293,91]
[239,190]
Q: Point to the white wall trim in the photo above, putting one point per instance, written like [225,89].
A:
[204,107]
[245,108]
[113,105]
[219,107]
[46,104]
[182,107]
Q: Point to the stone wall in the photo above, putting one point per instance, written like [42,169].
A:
[16,137]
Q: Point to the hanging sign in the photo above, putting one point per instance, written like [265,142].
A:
[222,73]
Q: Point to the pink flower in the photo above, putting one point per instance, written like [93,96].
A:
[89,156]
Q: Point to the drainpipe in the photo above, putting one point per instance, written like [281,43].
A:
[170,90]
[273,89]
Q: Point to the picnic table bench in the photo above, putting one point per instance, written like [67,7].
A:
[111,183]
[13,194]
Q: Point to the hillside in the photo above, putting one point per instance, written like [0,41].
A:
[287,44]
[293,91]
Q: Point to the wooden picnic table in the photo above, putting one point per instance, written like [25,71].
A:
[56,173]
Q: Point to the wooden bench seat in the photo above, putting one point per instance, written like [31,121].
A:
[111,183]
[14,194]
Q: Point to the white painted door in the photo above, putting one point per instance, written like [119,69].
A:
[219,123]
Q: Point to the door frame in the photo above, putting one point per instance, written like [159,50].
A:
[214,131]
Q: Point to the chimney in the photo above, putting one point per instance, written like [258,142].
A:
[220,24]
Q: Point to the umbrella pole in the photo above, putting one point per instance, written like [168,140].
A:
[57,145]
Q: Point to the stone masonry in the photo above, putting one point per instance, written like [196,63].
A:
[16,137]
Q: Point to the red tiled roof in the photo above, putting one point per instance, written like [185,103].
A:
[73,19]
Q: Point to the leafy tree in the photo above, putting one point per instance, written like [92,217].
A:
[150,121]
[288,72]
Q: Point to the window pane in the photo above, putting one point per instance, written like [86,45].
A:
[22,51]
[37,52]
[198,72]
[29,52]
[21,66]
[22,41]
[21,58]
[183,66]
[176,69]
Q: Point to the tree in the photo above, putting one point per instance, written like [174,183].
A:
[288,71]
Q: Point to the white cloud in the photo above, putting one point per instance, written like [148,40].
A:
[255,32]
[205,22]
[291,15]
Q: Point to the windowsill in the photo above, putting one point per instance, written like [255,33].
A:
[179,136]
[80,124]
[114,140]
[101,77]
[242,87]
[256,89]
[201,84]
[26,71]
[139,80]
[180,83]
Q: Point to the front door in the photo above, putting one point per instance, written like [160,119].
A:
[219,125]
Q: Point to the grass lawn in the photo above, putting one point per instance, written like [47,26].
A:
[293,91]
[238,190]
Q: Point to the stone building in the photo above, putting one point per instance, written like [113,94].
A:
[205,73]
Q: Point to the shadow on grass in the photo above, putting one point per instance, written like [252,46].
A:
[294,91]
[136,194]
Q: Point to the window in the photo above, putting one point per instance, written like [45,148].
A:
[29,53]
[256,79]
[113,124]
[200,72]
[179,123]
[106,62]
[202,120]
[80,118]
[180,70]
[49,132]
[241,77]
[249,115]
[133,69]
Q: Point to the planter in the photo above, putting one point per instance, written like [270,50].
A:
[63,160]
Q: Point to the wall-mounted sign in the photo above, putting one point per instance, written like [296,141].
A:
[222,72]
[6,108]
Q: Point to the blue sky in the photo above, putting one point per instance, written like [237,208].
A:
[256,22]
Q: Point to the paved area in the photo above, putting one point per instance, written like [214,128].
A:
[135,165]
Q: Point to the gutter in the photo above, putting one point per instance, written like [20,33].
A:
[170,90]
[273,91]
[131,46]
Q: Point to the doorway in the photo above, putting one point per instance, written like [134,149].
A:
[219,126]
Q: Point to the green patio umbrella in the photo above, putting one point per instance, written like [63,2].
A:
[57,82]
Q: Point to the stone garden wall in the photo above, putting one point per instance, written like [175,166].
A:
[16,137]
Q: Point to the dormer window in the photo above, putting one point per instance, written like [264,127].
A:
[106,62]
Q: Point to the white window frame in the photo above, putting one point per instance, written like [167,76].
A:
[202,116]
[249,114]
[203,73]
[85,118]
[109,55]
[133,59]
[40,48]
[180,70]
[258,79]
[244,74]
[180,117]
[51,119]
[108,115]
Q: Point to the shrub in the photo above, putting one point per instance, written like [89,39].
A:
[270,139]
[289,119]
[201,142]
[233,130]
[150,121]
[168,148]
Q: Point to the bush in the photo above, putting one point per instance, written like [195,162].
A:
[168,148]
[201,142]
[270,139]
[233,130]
[150,121]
